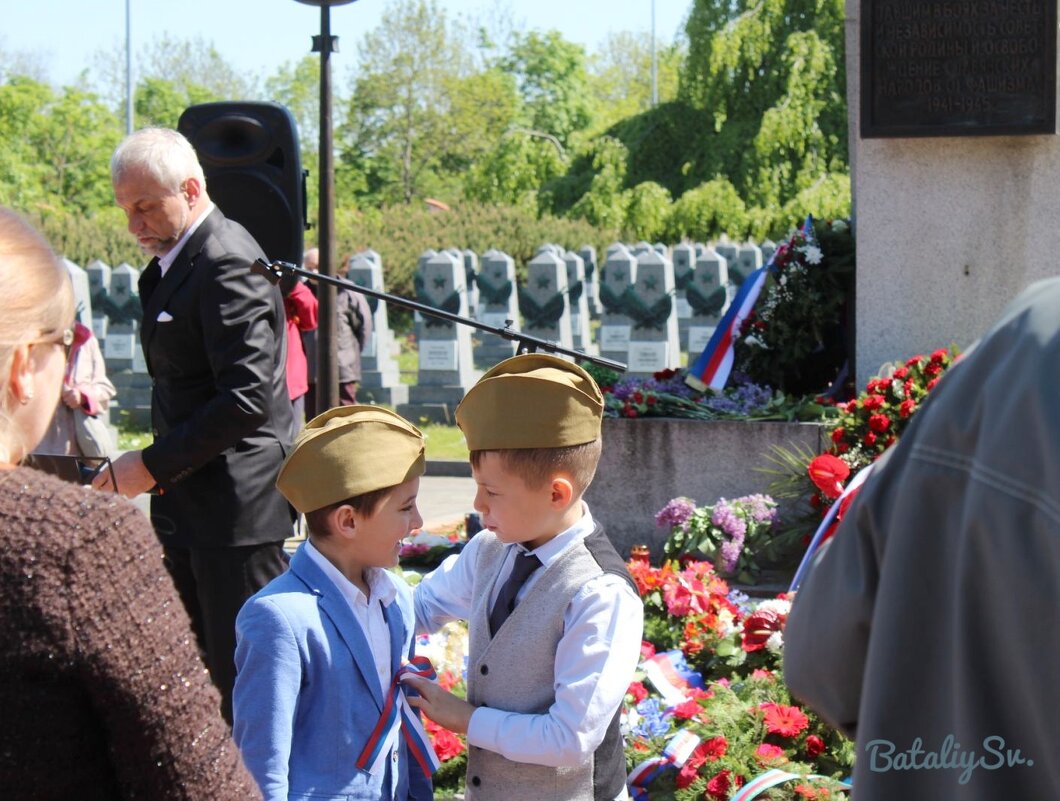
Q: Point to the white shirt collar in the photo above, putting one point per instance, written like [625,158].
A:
[166,261]
[550,551]
[379,584]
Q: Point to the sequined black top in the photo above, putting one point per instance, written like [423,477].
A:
[102,692]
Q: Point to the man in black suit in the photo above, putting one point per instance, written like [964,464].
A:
[213,336]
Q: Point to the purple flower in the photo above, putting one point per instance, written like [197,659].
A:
[675,513]
[725,518]
[760,507]
[730,554]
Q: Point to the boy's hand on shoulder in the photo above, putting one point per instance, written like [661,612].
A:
[441,706]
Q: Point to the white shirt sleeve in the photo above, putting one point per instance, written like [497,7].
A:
[444,594]
[595,662]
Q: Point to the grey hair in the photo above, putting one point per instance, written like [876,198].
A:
[162,153]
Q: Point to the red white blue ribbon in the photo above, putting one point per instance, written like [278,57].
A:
[850,490]
[714,364]
[397,712]
[674,755]
[671,676]
[771,778]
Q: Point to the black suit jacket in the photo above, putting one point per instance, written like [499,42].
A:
[213,336]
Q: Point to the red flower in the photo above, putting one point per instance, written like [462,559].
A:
[713,749]
[787,721]
[638,691]
[879,423]
[718,787]
[913,361]
[686,710]
[931,384]
[873,402]
[758,627]
[842,447]
[837,434]
[647,650]
[689,773]
[907,407]
[908,386]
[814,746]
[767,754]
[759,673]
[828,473]
[447,680]
[901,373]
[638,397]
[933,369]
[446,744]
[939,356]
[870,439]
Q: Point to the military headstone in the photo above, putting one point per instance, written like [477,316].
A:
[641,248]
[617,276]
[684,259]
[728,251]
[748,259]
[99,288]
[82,292]
[579,304]
[471,279]
[446,371]
[543,301]
[769,247]
[661,249]
[653,344]
[380,375]
[121,349]
[709,295]
[592,280]
[498,306]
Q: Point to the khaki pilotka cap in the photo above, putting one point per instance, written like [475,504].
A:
[531,401]
[348,451]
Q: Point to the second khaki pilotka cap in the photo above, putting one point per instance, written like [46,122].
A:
[531,401]
[348,451]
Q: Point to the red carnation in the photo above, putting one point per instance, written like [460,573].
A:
[907,407]
[828,474]
[879,423]
[931,384]
[718,787]
[940,355]
[713,749]
[446,744]
[870,439]
[638,691]
[933,369]
[873,402]
[647,649]
[913,361]
[686,710]
[814,746]
[837,434]
[901,373]
[787,721]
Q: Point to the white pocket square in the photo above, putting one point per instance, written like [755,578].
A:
[164,317]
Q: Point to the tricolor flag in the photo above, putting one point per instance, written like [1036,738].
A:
[714,364]
[675,754]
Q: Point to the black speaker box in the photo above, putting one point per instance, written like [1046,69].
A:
[249,153]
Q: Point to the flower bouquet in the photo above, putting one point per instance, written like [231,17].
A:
[424,550]
[708,712]
[737,536]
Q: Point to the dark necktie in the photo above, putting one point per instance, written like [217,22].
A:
[524,565]
[149,279]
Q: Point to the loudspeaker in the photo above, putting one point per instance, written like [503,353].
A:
[249,153]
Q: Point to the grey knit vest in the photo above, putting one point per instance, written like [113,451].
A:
[515,671]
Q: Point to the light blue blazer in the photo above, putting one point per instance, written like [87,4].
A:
[307,696]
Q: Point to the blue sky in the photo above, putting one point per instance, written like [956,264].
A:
[66,33]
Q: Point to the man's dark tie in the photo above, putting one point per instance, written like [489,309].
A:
[525,564]
[149,279]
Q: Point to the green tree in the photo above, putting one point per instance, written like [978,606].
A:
[514,171]
[647,211]
[396,131]
[605,203]
[708,211]
[158,101]
[551,75]
[620,76]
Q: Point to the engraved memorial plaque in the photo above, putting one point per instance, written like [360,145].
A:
[957,67]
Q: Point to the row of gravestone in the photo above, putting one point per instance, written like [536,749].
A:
[652,303]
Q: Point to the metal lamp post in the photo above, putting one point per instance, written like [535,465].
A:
[327,361]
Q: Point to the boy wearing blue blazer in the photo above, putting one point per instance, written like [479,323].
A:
[319,647]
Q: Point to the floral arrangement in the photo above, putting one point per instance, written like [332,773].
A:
[737,536]
[864,428]
[733,709]
[795,338]
[422,549]
[665,394]
[447,650]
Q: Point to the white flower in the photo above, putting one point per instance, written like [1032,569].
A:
[839,226]
[755,342]
[778,605]
[813,254]
[775,643]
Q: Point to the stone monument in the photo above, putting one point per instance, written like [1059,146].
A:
[498,306]
[380,376]
[653,344]
[543,300]
[617,276]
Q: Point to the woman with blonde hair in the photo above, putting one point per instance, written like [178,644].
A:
[104,695]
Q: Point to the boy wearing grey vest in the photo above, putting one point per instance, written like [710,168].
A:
[555,620]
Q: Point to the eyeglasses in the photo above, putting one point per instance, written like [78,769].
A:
[66,339]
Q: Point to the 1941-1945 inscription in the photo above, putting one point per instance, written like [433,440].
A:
[957,67]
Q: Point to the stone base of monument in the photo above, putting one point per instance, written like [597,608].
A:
[647,462]
[436,404]
[388,396]
[133,399]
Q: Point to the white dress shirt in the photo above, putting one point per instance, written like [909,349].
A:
[166,261]
[595,659]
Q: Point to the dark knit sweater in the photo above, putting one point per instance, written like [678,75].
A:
[102,692]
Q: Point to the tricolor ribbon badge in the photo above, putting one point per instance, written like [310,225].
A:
[675,754]
[714,364]
[397,714]
[771,778]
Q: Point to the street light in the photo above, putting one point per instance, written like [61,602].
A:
[327,361]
